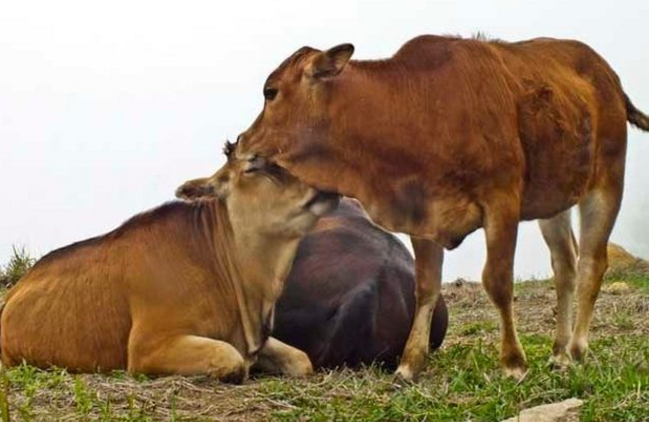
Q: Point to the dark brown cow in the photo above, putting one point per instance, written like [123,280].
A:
[349,297]
[450,135]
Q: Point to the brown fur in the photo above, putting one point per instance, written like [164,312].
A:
[450,135]
[186,288]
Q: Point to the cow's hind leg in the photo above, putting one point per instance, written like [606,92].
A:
[561,242]
[501,224]
[188,355]
[280,358]
[428,274]
[598,211]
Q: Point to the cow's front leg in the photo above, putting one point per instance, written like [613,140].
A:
[280,358]
[501,224]
[428,275]
[187,355]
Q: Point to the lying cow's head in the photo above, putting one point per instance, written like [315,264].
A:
[300,104]
[261,197]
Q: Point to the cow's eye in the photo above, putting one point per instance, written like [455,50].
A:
[254,164]
[270,93]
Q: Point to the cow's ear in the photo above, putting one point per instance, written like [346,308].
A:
[195,189]
[331,62]
[217,186]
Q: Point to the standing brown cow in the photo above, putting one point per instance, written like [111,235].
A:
[450,135]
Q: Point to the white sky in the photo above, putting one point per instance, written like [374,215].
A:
[106,108]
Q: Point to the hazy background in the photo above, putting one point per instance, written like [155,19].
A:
[106,108]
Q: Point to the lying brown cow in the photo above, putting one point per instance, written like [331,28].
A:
[450,135]
[349,297]
[187,288]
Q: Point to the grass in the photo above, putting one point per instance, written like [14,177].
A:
[462,381]
[18,265]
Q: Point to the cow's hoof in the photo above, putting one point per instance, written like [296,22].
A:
[514,367]
[560,361]
[300,366]
[578,351]
[515,373]
[235,377]
[404,376]
[233,372]
[514,364]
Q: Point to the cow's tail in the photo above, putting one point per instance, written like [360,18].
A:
[635,116]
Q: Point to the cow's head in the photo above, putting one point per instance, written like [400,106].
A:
[261,197]
[299,104]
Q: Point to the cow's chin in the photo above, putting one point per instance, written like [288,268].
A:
[322,203]
[304,219]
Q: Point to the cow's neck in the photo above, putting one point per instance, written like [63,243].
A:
[265,265]
[257,269]
[363,144]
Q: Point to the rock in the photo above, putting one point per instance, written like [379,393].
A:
[566,411]
[621,260]
[616,288]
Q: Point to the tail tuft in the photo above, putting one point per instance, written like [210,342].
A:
[635,116]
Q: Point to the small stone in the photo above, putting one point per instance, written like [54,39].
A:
[616,288]
[566,411]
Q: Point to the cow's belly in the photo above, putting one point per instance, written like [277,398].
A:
[447,220]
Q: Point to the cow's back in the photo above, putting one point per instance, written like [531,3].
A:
[539,111]
[68,310]
[349,297]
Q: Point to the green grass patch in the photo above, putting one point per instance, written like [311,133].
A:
[638,280]
[464,383]
[19,263]
[479,327]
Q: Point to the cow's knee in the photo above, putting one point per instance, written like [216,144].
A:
[497,281]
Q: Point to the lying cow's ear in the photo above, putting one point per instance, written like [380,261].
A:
[195,189]
[331,62]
